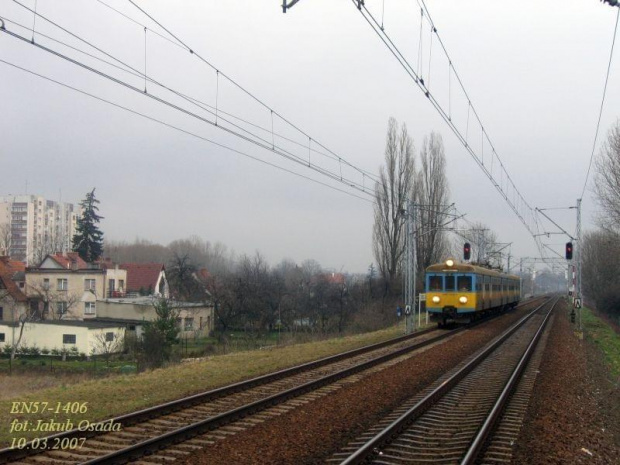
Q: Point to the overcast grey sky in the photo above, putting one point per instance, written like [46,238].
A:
[534,71]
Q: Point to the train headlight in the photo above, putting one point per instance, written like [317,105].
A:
[450,263]
[463,299]
[436,299]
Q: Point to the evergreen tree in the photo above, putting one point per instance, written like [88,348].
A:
[88,239]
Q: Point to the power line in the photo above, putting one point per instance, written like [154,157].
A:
[176,128]
[243,89]
[250,137]
[268,131]
[511,194]
[600,113]
[254,139]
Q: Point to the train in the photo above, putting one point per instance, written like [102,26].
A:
[462,293]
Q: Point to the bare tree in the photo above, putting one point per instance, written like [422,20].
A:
[432,195]
[50,244]
[601,282]
[607,185]
[52,304]
[108,343]
[394,188]
[6,238]
[482,240]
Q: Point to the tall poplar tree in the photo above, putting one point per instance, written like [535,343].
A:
[88,239]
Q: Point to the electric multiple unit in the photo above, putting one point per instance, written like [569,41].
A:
[462,293]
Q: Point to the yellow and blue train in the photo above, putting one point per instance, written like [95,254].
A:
[463,293]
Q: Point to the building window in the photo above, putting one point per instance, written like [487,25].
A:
[189,324]
[1,313]
[61,308]
[46,283]
[68,338]
[121,284]
[109,337]
[89,284]
[89,308]
[62,284]
[1,337]
[131,327]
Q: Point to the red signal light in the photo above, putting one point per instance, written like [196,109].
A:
[569,251]
[466,251]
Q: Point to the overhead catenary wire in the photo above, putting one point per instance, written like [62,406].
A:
[249,136]
[514,199]
[329,153]
[131,70]
[195,100]
[600,113]
[184,131]
[236,84]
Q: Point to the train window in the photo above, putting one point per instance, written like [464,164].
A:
[449,283]
[435,283]
[463,283]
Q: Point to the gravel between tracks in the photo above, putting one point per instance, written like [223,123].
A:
[574,412]
[311,433]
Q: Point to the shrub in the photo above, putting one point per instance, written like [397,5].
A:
[34,350]
[45,351]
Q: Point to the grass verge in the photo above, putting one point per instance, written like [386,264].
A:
[605,339]
[117,395]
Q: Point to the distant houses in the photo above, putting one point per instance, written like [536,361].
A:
[65,302]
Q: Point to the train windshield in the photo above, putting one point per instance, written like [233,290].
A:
[435,283]
[449,283]
[463,283]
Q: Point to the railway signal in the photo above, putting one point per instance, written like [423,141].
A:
[467,251]
[569,251]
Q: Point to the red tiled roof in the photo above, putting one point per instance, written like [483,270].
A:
[142,275]
[203,275]
[106,263]
[336,278]
[13,266]
[65,260]
[7,283]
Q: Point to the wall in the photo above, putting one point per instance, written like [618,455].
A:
[75,292]
[127,310]
[50,336]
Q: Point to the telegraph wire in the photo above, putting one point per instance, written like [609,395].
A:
[184,131]
[611,54]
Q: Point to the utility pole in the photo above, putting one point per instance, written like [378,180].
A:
[579,301]
[410,271]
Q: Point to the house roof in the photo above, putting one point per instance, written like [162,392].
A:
[67,259]
[7,283]
[14,266]
[336,278]
[142,275]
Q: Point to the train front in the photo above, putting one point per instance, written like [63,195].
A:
[450,292]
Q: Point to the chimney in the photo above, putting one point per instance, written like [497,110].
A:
[74,265]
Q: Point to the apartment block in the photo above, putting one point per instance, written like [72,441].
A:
[32,227]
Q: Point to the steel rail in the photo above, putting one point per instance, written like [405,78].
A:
[479,441]
[11,454]
[152,445]
[8,454]
[371,447]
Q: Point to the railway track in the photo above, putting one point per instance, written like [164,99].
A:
[147,431]
[453,421]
